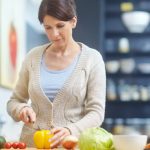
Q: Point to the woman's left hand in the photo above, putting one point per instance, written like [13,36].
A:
[59,134]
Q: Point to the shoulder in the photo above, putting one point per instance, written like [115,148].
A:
[34,55]
[35,52]
[38,50]
[92,55]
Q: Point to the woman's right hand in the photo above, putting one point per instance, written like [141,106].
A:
[27,115]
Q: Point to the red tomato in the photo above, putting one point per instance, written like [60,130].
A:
[8,145]
[15,145]
[21,145]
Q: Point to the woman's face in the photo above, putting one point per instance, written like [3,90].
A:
[59,32]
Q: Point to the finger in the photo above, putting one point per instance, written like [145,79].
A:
[62,138]
[57,136]
[24,118]
[24,114]
[27,115]
[55,143]
[32,117]
[55,130]
[57,139]
[21,117]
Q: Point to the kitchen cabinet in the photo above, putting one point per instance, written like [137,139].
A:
[127,59]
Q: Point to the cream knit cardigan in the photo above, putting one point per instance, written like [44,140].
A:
[80,104]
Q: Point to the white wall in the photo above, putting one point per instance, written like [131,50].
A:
[25,12]
[10,130]
[4,96]
[15,12]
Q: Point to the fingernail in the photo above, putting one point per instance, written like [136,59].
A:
[50,140]
[49,133]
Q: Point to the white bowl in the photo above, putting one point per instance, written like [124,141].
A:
[136,21]
[112,66]
[127,65]
[129,142]
[144,67]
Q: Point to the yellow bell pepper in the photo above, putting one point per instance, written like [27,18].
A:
[41,139]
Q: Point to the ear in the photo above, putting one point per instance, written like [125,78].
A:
[74,21]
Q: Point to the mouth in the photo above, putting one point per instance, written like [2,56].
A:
[57,40]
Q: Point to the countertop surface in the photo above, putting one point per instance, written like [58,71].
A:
[41,149]
[36,149]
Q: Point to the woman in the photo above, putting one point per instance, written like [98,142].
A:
[64,79]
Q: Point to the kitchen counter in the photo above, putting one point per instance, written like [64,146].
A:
[37,149]
[40,149]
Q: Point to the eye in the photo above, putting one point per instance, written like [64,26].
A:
[47,28]
[60,26]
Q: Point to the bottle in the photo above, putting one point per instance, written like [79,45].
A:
[111,90]
[123,45]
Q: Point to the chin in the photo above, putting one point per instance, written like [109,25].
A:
[59,44]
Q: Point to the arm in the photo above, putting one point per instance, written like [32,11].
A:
[20,96]
[95,100]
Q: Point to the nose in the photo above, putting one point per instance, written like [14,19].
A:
[55,33]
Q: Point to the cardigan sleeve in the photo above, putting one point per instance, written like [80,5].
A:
[19,97]
[95,100]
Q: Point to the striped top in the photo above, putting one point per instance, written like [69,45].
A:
[52,81]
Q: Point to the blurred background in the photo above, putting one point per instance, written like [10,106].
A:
[119,29]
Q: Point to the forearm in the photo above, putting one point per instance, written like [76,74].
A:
[20,96]
[92,119]
[14,107]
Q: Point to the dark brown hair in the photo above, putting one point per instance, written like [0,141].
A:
[63,10]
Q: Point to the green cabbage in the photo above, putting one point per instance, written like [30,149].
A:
[95,139]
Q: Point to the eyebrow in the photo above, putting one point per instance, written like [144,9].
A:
[46,25]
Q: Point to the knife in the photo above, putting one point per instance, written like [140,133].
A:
[33,125]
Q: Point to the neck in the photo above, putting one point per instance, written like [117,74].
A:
[67,49]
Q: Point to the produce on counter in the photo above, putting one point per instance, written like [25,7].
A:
[15,145]
[22,145]
[147,146]
[8,145]
[2,141]
[70,142]
[41,139]
[96,139]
